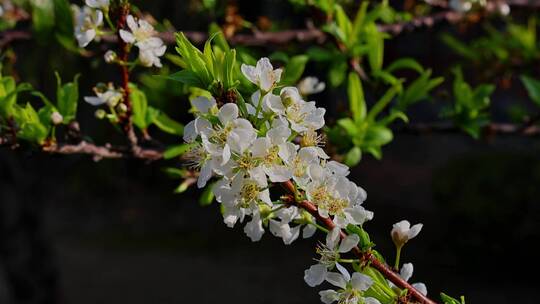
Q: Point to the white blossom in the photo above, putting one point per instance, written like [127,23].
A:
[263,74]
[99,4]
[351,289]
[329,259]
[110,96]
[143,35]
[56,118]
[336,196]
[402,232]
[406,273]
[310,85]
[110,56]
[87,22]
[282,227]
[302,115]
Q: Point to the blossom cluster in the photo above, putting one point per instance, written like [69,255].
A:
[89,23]
[275,139]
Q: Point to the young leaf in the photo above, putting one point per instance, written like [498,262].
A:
[353,157]
[405,63]
[357,101]
[294,69]
[207,197]
[186,77]
[67,98]
[168,125]
[176,151]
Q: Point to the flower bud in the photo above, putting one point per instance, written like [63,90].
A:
[289,96]
[56,118]
[110,56]
[100,114]
[402,232]
[122,108]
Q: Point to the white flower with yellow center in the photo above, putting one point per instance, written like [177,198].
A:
[262,75]
[302,116]
[143,35]
[330,254]
[270,150]
[86,22]
[299,161]
[241,196]
[282,228]
[335,195]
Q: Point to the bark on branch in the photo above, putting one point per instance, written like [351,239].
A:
[103,152]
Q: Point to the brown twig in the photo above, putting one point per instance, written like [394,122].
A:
[103,152]
[490,129]
[126,120]
[7,37]
[384,269]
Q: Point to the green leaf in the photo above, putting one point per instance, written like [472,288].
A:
[140,108]
[194,59]
[405,63]
[186,77]
[64,22]
[357,101]
[353,157]
[449,300]
[42,18]
[177,150]
[207,197]
[460,47]
[67,98]
[343,24]
[394,114]
[418,90]
[377,135]
[294,69]
[30,125]
[174,172]
[350,127]
[533,88]
[337,72]
[375,43]
[168,125]
[382,103]
[8,95]
[358,23]
[319,54]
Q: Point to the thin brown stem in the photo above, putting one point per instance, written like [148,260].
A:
[103,152]
[126,120]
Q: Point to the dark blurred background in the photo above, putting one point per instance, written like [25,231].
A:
[76,231]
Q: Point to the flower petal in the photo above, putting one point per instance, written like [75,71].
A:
[360,281]
[315,275]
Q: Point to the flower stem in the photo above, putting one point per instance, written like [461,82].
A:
[321,228]
[398,256]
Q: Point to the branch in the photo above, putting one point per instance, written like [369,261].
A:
[123,12]
[7,37]
[363,256]
[528,129]
[103,152]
